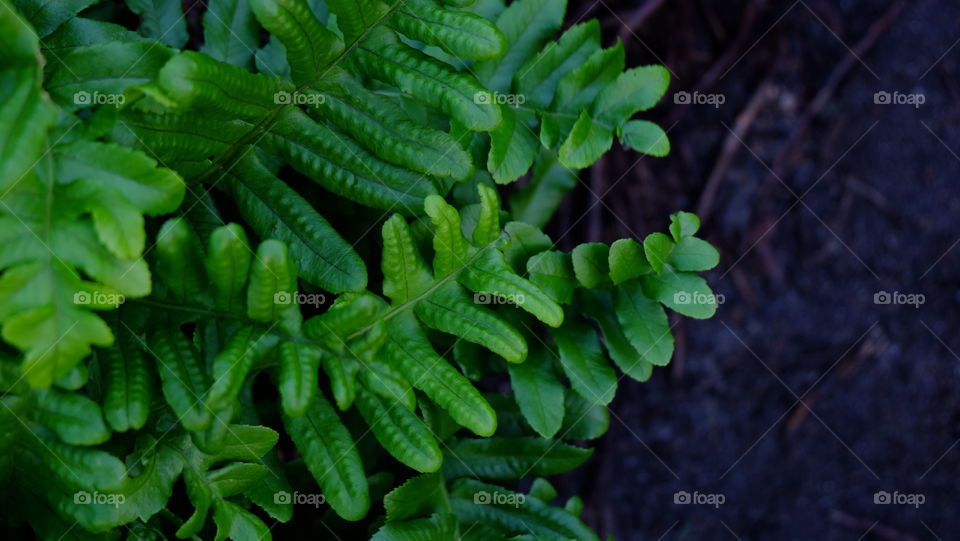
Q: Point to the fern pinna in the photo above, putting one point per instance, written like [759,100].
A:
[338,265]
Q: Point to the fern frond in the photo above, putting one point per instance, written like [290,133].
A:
[309,45]
[331,457]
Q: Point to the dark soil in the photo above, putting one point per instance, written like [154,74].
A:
[802,398]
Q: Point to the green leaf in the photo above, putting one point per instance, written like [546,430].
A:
[354,17]
[636,89]
[507,458]
[230,32]
[588,140]
[538,392]
[332,458]
[584,419]
[683,224]
[76,419]
[385,129]
[515,517]
[238,524]
[343,166]
[232,364]
[273,284]
[151,189]
[228,259]
[683,292]
[400,431]
[119,224]
[590,264]
[310,46]
[82,79]
[526,25]
[657,248]
[459,33]
[180,260]
[489,273]
[144,494]
[82,32]
[161,20]
[298,376]
[450,247]
[599,306]
[513,145]
[646,137]
[644,323]
[182,376]
[46,17]
[583,362]
[275,211]
[434,528]
[693,254]
[405,274]
[580,87]
[627,260]
[542,490]
[193,81]
[456,94]
[411,351]
[574,505]
[488,224]
[417,496]
[525,240]
[450,309]
[25,113]
[348,315]
[552,271]
[537,80]
[127,383]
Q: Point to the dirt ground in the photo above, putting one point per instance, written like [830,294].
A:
[803,398]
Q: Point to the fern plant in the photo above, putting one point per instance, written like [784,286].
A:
[203,327]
